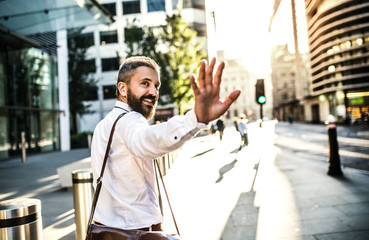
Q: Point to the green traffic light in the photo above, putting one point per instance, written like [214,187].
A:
[261,99]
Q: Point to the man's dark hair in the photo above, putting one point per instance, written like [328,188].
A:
[129,66]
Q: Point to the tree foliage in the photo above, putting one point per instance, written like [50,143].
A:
[177,49]
[81,84]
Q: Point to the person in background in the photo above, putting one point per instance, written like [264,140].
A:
[220,127]
[242,129]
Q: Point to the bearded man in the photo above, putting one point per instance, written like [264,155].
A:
[128,197]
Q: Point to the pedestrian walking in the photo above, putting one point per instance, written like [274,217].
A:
[128,197]
[290,118]
[242,129]
[220,127]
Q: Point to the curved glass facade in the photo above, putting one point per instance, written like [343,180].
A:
[28,102]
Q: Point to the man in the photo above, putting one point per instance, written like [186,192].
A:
[128,197]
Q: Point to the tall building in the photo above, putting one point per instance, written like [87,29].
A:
[285,101]
[109,41]
[235,76]
[338,33]
[34,110]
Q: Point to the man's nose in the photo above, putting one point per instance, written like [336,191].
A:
[153,90]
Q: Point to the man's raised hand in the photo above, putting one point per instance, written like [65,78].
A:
[208,104]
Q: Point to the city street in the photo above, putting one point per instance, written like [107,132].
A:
[311,141]
[277,187]
[223,193]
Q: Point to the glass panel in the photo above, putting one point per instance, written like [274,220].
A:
[109,37]
[2,79]
[110,64]
[4,146]
[155,5]
[130,7]
[29,103]
[111,8]
[110,92]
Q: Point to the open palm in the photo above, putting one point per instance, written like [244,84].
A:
[208,104]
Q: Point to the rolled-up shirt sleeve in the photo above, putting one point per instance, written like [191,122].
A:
[150,141]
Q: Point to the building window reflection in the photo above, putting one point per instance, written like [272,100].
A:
[155,5]
[28,102]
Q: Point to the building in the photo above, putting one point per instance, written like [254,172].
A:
[33,73]
[235,76]
[108,43]
[285,102]
[338,33]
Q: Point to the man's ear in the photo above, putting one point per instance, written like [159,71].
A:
[122,88]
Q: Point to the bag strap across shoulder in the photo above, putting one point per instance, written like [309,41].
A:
[99,180]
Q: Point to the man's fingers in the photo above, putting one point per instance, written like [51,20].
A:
[218,74]
[201,77]
[194,86]
[209,72]
[232,97]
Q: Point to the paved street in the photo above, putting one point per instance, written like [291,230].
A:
[275,188]
[311,141]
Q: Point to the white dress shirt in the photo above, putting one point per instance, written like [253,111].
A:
[128,197]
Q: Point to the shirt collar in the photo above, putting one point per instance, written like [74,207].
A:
[122,105]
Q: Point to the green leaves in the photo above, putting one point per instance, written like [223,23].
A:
[177,49]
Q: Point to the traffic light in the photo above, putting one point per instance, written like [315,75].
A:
[260,92]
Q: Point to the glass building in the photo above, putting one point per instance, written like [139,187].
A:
[34,96]
[28,101]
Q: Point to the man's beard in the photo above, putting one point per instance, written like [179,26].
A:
[136,103]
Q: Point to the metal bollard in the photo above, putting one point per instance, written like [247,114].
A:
[20,219]
[334,162]
[23,138]
[82,197]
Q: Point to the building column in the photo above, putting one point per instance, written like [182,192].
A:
[62,42]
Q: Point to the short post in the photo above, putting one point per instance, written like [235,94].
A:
[23,139]
[89,139]
[334,162]
[82,197]
[20,219]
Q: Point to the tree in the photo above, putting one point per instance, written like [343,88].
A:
[177,50]
[81,84]
[184,53]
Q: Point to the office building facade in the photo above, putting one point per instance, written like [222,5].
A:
[34,109]
[338,33]
[108,47]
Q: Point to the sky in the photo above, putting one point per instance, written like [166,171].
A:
[242,29]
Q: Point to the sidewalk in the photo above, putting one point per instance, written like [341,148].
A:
[218,192]
[37,178]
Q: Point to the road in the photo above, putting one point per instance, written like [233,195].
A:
[310,140]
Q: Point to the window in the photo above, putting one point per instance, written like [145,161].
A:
[199,4]
[90,63]
[108,37]
[131,6]
[111,8]
[110,64]
[155,5]
[133,34]
[88,38]
[109,92]
[92,94]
